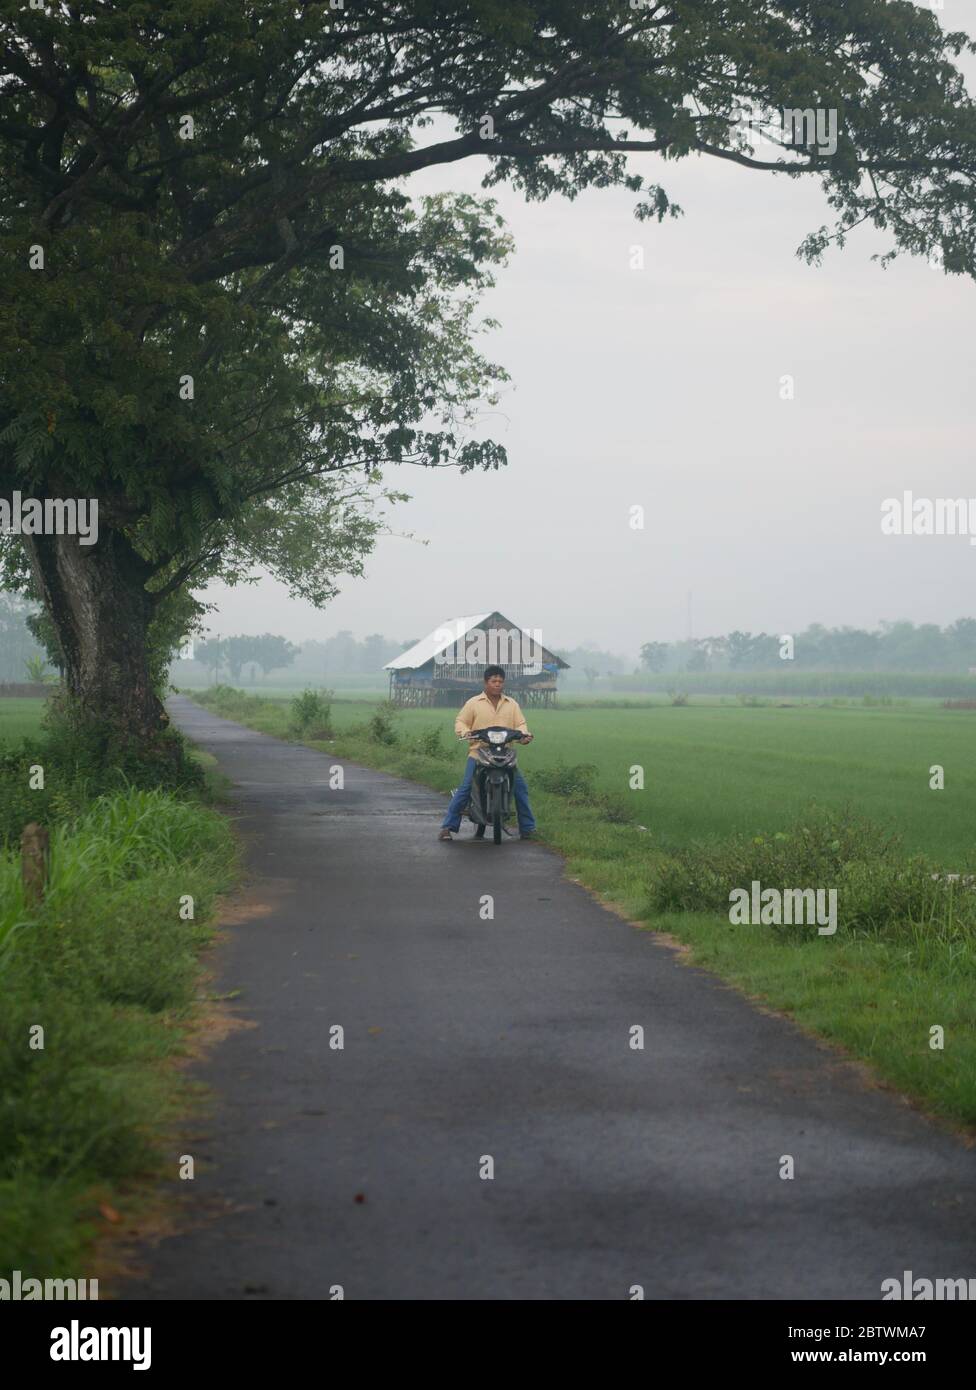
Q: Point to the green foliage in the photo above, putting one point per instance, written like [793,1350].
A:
[308,377]
[268,716]
[653,655]
[268,651]
[220,696]
[311,715]
[678,697]
[211,654]
[306,716]
[105,966]
[812,851]
[574,782]
[430,744]
[37,672]
[879,889]
[76,772]
[119,837]
[328,322]
[382,727]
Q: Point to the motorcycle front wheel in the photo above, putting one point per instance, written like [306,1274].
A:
[496,825]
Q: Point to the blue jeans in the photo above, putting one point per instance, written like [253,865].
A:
[460,799]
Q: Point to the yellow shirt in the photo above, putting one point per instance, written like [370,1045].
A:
[480,713]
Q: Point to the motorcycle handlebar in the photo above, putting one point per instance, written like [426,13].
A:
[480,733]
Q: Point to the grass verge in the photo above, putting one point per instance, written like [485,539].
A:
[97,986]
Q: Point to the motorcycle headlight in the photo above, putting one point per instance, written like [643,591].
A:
[496,736]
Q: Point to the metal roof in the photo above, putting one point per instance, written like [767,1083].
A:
[444,635]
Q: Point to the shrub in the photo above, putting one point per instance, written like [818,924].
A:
[381,727]
[431,745]
[575,782]
[614,806]
[678,697]
[878,888]
[311,714]
[218,695]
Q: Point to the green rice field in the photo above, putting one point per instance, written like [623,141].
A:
[711,770]
[20,719]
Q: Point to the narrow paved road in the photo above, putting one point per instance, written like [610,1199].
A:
[510,1038]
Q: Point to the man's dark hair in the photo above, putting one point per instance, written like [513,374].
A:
[493,671]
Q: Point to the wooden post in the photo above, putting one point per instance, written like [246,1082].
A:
[35,844]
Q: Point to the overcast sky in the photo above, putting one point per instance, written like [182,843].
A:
[661,388]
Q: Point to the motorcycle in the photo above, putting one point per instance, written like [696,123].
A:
[492,787]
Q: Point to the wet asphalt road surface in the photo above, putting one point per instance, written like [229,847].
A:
[467,1039]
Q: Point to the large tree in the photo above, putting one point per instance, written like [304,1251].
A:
[268,651]
[221,314]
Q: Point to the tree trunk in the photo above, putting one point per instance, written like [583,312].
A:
[96,598]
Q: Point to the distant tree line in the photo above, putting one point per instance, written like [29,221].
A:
[233,654]
[895,646]
[346,655]
[237,657]
[243,656]
[588,663]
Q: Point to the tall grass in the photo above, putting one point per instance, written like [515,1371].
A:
[122,837]
[76,771]
[105,966]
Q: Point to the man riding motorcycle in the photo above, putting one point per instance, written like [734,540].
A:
[491,707]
